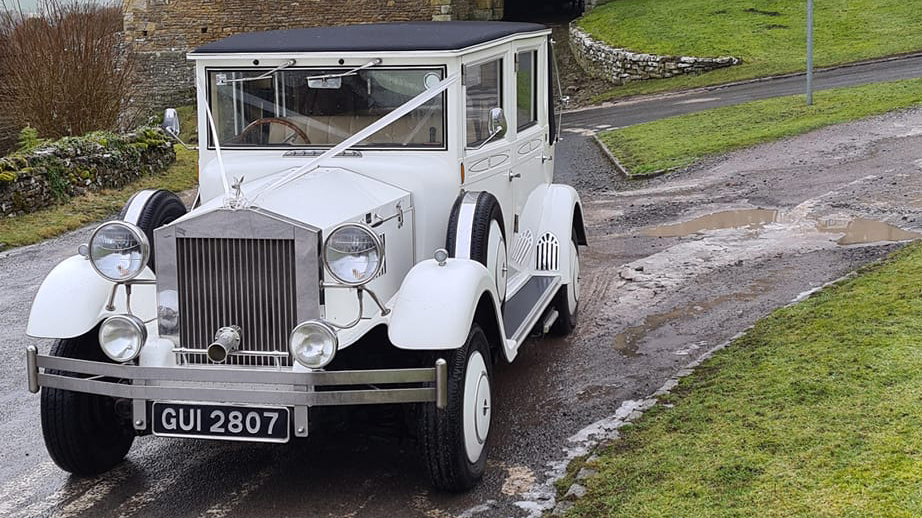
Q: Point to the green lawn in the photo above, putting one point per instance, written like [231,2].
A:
[76,212]
[679,141]
[769,35]
[815,412]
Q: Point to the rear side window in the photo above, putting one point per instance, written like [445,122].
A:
[484,84]
[525,89]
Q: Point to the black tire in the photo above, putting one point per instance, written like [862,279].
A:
[442,440]
[83,432]
[566,319]
[160,208]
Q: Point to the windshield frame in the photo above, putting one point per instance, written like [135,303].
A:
[208,71]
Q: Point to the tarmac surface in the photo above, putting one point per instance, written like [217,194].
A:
[676,265]
[648,108]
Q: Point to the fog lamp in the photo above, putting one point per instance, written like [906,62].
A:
[121,337]
[313,344]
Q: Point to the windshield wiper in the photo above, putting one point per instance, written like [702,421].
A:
[221,79]
[374,62]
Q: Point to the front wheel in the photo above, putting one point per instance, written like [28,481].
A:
[83,432]
[454,440]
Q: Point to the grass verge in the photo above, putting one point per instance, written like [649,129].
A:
[33,227]
[769,35]
[813,413]
[679,141]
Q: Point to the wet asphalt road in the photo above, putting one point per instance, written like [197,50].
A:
[650,305]
[635,111]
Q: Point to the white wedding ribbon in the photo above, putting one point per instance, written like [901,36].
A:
[217,141]
[380,124]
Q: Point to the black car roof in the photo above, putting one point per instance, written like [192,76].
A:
[373,37]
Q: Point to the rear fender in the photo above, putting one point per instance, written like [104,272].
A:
[436,305]
[556,210]
[72,300]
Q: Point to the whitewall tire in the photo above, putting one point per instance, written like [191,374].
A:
[454,441]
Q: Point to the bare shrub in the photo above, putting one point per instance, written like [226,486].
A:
[8,128]
[65,71]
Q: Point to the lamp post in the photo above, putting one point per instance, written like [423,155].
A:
[809,52]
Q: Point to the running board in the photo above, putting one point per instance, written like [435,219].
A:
[525,308]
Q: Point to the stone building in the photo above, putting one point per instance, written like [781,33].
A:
[163,31]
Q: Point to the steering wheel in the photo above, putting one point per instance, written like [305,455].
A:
[247,132]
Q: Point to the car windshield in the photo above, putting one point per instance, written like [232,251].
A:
[299,108]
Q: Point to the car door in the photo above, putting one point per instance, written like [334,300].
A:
[488,160]
[530,149]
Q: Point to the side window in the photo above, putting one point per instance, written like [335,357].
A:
[484,84]
[525,91]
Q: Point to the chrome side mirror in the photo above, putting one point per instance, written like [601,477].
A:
[497,124]
[170,124]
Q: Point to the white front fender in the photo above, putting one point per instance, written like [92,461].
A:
[72,300]
[435,306]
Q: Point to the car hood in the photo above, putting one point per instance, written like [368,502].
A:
[322,198]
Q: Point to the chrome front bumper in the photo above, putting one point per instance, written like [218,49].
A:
[237,385]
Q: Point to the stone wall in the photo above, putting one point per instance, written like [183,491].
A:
[74,165]
[620,66]
[162,31]
[471,10]
[165,79]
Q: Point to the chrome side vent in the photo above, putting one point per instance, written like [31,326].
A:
[520,248]
[547,255]
[248,283]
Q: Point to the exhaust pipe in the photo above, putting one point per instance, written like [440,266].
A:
[226,341]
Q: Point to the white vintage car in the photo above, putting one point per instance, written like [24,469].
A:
[377,223]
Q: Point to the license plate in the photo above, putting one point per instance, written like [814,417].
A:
[226,422]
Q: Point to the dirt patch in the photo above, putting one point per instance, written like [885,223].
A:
[853,231]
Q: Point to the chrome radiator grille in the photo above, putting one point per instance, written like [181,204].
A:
[248,283]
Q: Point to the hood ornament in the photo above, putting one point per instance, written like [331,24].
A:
[238,201]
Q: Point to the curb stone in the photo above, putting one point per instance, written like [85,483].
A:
[623,170]
[543,498]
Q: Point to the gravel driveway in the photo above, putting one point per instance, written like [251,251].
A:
[676,265]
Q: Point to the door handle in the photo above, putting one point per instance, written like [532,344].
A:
[513,176]
[546,158]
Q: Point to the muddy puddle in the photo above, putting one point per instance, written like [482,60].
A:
[854,231]
[628,341]
[859,230]
[753,219]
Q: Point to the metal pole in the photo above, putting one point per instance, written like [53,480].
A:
[809,52]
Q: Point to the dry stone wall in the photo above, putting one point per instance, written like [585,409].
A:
[620,66]
[163,31]
[74,165]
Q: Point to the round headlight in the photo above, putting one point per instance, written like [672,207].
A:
[353,254]
[118,251]
[122,336]
[313,344]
